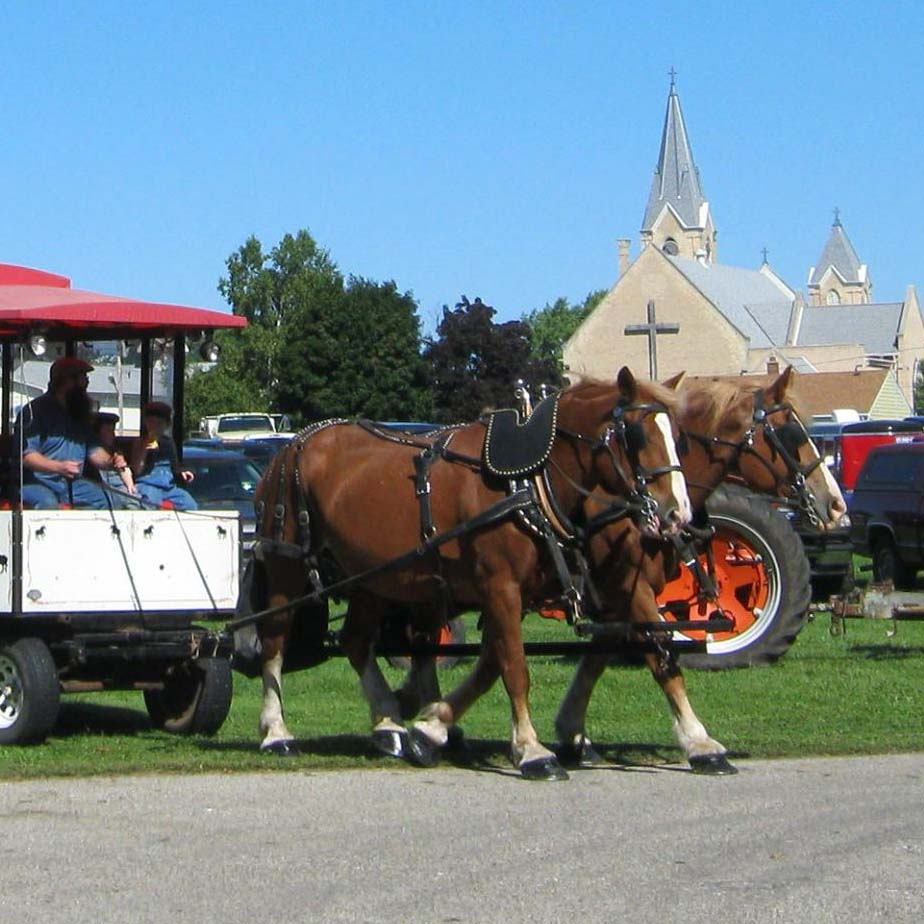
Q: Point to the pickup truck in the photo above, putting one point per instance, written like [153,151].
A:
[242,425]
[887,512]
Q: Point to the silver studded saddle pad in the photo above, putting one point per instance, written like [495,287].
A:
[511,448]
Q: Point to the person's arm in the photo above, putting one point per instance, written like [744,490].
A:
[125,473]
[100,458]
[139,451]
[36,462]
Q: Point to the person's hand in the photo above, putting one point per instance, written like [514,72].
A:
[118,461]
[188,477]
[69,468]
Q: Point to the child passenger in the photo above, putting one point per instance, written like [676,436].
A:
[119,477]
[155,463]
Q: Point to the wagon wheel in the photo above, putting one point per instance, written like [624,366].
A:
[196,697]
[763,579]
[29,692]
[452,633]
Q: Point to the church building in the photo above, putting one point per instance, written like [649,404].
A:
[677,307]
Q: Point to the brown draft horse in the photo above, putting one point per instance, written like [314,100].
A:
[752,433]
[358,494]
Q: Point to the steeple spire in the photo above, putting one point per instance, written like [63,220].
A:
[839,277]
[687,230]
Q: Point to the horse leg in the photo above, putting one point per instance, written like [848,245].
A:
[704,753]
[274,633]
[574,745]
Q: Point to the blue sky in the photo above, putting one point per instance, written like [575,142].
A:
[493,149]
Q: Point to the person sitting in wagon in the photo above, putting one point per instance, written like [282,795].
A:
[118,481]
[155,463]
[53,441]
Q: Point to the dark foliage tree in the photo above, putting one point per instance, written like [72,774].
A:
[475,363]
[552,325]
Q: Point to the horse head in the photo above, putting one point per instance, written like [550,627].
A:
[776,455]
[633,454]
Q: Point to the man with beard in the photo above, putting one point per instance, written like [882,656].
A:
[54,436]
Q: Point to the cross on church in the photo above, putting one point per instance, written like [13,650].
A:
[652,329]
[673,74]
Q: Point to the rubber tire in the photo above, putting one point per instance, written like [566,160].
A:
[887,566]
[455,628]
[41,692]
[735,508]
[196,698]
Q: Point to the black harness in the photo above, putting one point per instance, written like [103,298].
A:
[785,440]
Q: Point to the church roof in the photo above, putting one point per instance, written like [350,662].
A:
[839,255]
[676,180]
[875,326]
[750,301]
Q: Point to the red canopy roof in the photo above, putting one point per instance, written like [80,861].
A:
[32,298]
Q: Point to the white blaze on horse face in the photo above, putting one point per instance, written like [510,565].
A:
[836,506]
[678,484]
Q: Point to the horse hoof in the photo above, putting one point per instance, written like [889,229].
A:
[585,755]
[421,750]
[280,749]
[391,743]
[543,768]
[712,765]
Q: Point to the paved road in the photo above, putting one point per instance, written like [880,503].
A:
[801,841]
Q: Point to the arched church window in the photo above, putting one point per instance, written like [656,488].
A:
[833,298]
[670,247]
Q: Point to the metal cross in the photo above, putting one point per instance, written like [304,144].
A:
[652,329]
[673,74]
[765,252]
[837,216]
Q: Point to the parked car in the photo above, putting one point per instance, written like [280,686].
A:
[260,450]
[887,512]
[225,480]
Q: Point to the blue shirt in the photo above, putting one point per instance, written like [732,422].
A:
[44,426]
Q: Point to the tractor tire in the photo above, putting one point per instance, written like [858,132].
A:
[764,583]
[196,697]
[29,692]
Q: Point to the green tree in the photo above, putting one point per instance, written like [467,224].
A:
[356,352]
[552,325]
[475,363]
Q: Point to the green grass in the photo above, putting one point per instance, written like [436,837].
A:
[857,694]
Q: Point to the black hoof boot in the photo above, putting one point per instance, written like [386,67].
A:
[712,765]
[543,768]
[583,755]
[389,742]
[455,740]
[281,749]
[421,750]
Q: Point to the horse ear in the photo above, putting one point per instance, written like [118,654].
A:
[780,388]
[626,382]
[673,383]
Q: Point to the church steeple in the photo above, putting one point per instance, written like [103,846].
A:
[677,218]
[839,277]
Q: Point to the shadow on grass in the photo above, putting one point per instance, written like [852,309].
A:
[483,755]
[94,719]
[894,651]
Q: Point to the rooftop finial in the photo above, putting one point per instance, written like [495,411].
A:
[765,252]
[837,217]
[673,75]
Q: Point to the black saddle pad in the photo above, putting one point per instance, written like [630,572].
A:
[511,448]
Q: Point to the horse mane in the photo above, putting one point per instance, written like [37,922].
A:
[709,401]
[590,389]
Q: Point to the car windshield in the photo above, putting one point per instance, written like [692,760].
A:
[254,422]
[218,479]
